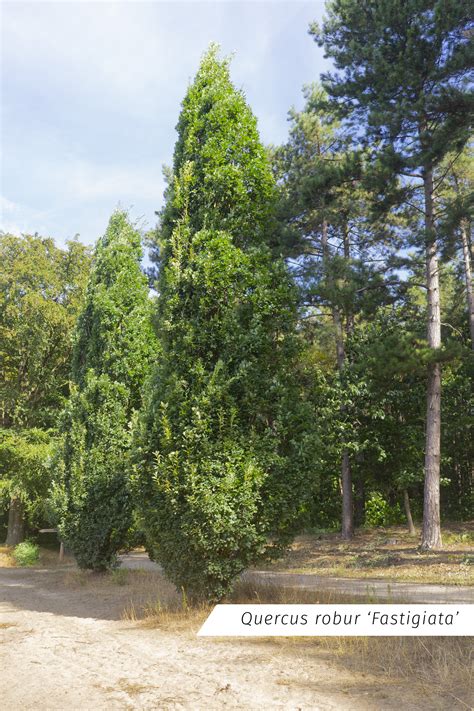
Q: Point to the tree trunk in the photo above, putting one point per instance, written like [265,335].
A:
[347,256]
[406,501]
[359,502]
[431,535]
[347,504]
[16,523]
[468,277]
[346,474]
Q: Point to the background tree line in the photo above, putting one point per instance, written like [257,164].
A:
[312,304]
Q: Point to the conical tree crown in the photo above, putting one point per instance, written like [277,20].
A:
[113,349]
[114,333]
[230,183]
[220,448]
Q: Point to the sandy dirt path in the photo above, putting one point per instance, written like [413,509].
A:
[383,590]
[67,648]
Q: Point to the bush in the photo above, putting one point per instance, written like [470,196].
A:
[95,509]
[26,553]
[378,511]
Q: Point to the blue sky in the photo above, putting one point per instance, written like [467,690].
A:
[91,94]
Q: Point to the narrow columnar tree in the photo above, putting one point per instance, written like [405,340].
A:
[114,343]
[402,75]
[221,455]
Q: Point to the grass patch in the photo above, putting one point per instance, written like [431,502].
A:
[165,608]
[48,557]
[437,666]
[120,576]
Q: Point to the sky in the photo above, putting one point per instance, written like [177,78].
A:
[91,94]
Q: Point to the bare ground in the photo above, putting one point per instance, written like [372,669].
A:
[64,643]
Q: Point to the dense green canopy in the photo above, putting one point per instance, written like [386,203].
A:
[221,459]
[114,344]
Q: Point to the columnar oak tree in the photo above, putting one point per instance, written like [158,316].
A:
[114,343]
[221,455]
[403,73]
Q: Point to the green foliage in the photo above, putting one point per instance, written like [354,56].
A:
[402,85]
[221,174]
[457,494]
[41,292]
[378,512]
[221,455]
[93,502]
[403,76]
[24,469]
[114,344]
[114,335]
[26,553]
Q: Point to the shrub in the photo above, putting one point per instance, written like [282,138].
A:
[26,553]
[378,511]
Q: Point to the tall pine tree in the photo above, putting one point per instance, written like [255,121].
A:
[221,456]
[114,344]
[403,76]
[337,251]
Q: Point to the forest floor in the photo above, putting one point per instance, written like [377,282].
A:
[124,640]
[389,554]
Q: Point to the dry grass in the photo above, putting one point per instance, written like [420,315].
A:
[440,667]
[48,558]
[161,606]
[6,560]
[144,597]
[384,553]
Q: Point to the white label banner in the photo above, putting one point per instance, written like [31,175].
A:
[376,620]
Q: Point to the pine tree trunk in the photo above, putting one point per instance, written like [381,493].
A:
[431,535]
[347,528]
[347,256]
[406,501]
[16,523]
[468,277]
[347,504]
[359,502]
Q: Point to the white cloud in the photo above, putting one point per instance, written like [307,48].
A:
[91,94]
[137,54]
[119,52]
[18,219]
[83,180]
